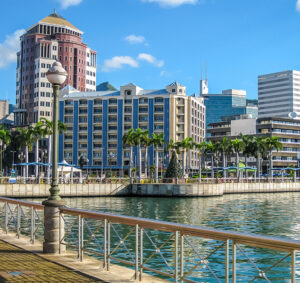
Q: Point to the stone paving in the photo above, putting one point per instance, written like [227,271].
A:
[18,265]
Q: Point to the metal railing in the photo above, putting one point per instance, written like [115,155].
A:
[22,217]
[136,180]
[184,253]
[181,252]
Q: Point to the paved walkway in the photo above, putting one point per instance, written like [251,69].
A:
[18,265]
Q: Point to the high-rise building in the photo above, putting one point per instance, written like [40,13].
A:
[4,108]
[231,102]
[52,38]
[97,121]
[279,95]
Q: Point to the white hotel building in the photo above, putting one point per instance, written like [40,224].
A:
[279,95]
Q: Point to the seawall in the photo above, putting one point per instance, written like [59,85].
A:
[162,190]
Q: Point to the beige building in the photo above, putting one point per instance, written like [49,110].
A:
[4,107]
[98,120]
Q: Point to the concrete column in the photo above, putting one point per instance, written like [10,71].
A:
[51,226]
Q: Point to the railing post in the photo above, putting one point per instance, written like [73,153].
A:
[136,251]
[81,238]
[108,246]
[227,265]
[293,267]
[59,232]
[18,220]
[141,253]
[32,231]
[105,244]
[6,217]
[176,256]
[233,262]
[181,257]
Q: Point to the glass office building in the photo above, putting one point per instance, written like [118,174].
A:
[230,103]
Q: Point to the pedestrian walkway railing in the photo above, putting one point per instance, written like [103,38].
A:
[22,217]
[125,181]
[182,252]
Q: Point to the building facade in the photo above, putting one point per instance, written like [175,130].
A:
[4,108]
[279,95]
[231,102]
[97,121]
[286,129]
[288,132]
[51,39]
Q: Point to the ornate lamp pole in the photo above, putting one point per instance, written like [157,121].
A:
[55,75]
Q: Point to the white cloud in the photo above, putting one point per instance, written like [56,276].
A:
[9,48]
[118,62]
[151,59]
[298,5]
[67,3]
[135,39]
[171,3]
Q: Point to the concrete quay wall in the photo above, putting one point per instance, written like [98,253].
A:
[162,190]
[66,190]
[207,190]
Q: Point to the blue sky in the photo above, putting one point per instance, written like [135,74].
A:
[154,42]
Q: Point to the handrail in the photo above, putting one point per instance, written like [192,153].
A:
[191,230]
[22,202]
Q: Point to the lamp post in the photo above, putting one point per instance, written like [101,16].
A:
[56,75]
[87,168]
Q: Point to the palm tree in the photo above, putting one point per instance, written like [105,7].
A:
[186,145]
[208,149]
[5,140]
[38,131]
[261,151]
[128,140]
[172,146]
[200,147]
[271,144]
[238,146]
[26,138]
[249,148]
[47,130]
[226,149]
[137,138]
[157,141]
[146,142]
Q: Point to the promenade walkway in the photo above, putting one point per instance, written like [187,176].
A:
[19,265]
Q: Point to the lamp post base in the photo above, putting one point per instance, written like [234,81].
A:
[51,226]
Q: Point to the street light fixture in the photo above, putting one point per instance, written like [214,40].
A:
[57,76]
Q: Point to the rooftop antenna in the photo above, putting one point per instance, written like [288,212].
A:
[201,72]
[206,73]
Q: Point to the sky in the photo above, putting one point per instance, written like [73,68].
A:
[154,42]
